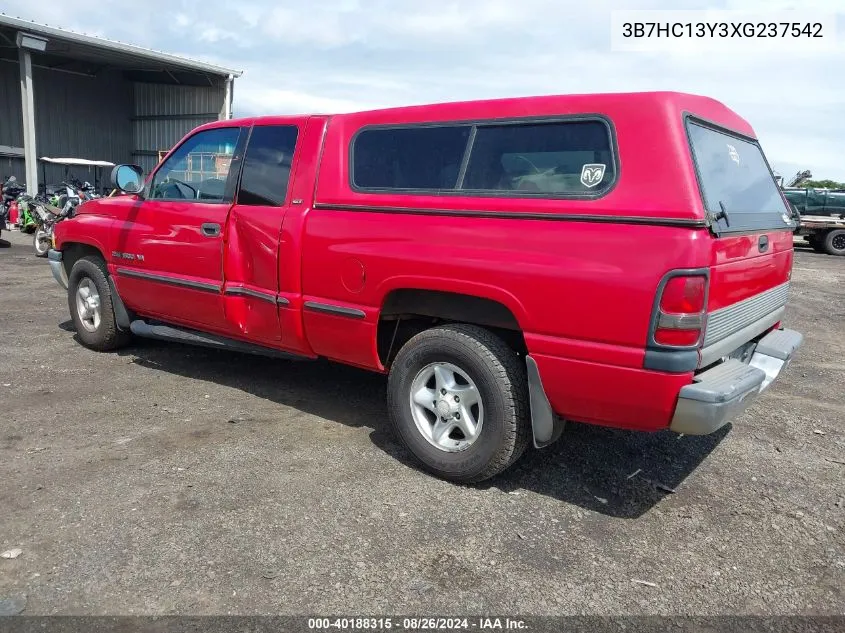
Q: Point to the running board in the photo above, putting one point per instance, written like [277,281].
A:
[162,332]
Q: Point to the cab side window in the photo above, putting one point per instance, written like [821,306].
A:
[267,165]
[567,157]
[197,171]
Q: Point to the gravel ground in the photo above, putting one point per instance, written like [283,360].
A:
[175,480]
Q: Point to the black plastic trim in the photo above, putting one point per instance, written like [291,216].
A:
[172,281]
[165,332]
[282,301]
[511,215]
[210,229]
[249,292]
[352,313]
[462,170]
[546,427]
[121,314]
[233,179]
[671,361]
[474,124]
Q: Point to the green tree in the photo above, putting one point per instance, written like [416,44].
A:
[823,184]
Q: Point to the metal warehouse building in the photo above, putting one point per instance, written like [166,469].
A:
[65,94]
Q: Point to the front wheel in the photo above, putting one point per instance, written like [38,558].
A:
[458,400]
[90,303]
[41,241]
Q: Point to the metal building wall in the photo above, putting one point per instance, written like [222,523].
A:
[11,126]
[101,118]
[165,113]
[76,116]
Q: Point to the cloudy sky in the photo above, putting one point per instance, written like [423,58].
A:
[341,55]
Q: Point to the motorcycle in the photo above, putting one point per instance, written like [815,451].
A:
[27,222]
[59,204]
[11,190]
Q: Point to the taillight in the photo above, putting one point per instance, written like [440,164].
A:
[681,311]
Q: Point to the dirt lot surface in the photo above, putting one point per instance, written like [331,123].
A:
[166,479]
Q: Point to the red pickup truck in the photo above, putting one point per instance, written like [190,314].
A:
[618,259]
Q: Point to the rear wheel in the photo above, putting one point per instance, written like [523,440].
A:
[90,304]
[458,400]
[834,242]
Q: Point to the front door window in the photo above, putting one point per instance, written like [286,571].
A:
[198,169]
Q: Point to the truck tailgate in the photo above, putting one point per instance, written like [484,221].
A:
[749,287]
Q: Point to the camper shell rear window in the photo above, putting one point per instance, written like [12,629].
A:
[735,180]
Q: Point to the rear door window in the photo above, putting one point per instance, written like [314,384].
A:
[267,165]
[735,179]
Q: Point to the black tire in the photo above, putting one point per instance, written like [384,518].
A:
[106,336]
[500,377]
[834,242]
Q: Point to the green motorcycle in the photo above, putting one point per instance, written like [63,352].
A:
[27,218]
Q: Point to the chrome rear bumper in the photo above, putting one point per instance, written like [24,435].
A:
[723,392]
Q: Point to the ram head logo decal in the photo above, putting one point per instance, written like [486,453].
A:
[733,154]
[592,174]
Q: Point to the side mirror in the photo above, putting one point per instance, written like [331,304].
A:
[128,178]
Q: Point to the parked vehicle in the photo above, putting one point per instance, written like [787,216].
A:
[63,201]
[821,218]
[819,202]
[48,216]
[11,190]
[92,170]
[825,234]
[27,217]
[621,260]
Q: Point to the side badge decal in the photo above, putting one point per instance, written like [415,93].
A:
[592,174]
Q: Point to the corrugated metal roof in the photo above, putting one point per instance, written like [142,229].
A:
[111,50]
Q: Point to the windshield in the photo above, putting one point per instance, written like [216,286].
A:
[736,181]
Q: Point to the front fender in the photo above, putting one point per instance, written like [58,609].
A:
[90,230]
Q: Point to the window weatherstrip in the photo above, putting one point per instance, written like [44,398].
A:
[462,172]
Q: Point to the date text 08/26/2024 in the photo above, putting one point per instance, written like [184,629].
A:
[416,623]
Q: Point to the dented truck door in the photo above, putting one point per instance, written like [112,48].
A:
[251,298]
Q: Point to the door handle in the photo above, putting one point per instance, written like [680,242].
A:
[209,229]
[763,243]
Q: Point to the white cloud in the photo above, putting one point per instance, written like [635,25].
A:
[342,55]
[296,102]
